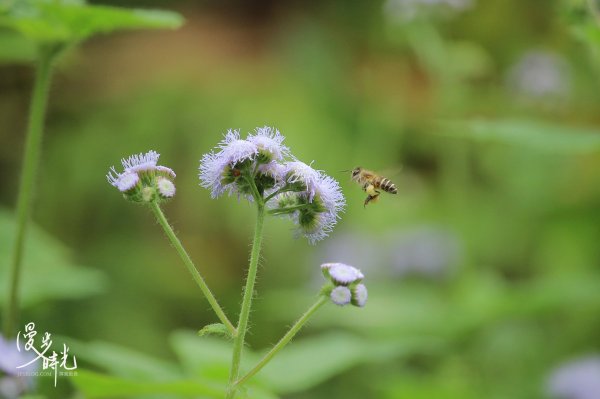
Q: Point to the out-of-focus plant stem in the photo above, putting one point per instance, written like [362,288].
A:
[33,143]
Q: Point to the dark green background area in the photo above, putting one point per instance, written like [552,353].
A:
[501,191]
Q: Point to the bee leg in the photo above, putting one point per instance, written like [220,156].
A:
[372,198]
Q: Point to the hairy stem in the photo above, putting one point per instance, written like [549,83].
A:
[33,143]
[162,220]
[242,326]
[288,209]
[284,340]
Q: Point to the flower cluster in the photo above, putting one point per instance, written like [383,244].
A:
[142,180]
[347,284]
[261,168]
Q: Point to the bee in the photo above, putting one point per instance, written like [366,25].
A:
[371,183]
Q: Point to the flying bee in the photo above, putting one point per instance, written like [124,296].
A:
[371,183]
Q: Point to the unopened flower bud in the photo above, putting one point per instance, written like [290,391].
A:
[341,295]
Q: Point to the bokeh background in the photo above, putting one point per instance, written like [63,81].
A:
[483,272]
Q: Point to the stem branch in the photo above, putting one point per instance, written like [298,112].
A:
[284,340]
[162,220]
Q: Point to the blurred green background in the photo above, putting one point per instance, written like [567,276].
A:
[483,272]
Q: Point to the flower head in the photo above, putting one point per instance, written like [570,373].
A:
[359,295]
[221,171]
[341,295]
[341,274]
[269,143]
[303,177]
[256,168]
[139,181]
[347,287]
[165,187]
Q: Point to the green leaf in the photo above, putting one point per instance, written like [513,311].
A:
[215,329]
[125,362]
[48,271]
[95,385]
[205,356]
[311,361]
[527,133]
[46,21]
[16,48]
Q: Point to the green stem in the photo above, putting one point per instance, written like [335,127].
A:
[162,220]
[284,340]
[33,143]
[257,197]
[281,190]
[288,209]
[242,326]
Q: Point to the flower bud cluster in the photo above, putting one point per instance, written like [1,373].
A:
[346,285]
[261,168]
[142,180]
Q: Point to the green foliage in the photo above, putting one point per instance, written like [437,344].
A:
[49,272]
[67,21]
[531,134]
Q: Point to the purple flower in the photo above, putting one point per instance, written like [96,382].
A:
[304,176]
[218,170]
[125,181]
[341,295]
[316,198]
[578,379]
[341,274]
[140,177]
[269,143]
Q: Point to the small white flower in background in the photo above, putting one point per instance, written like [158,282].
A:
[347,287]
[142,180]
[429,251]
[540,75]
[258,166]
[577,379]
[400,11]
[13,385]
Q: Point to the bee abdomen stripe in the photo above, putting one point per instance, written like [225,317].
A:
[388,186]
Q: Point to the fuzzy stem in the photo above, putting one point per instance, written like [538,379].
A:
[33,143]
[284,340]
[281,190]
[288,209]
[162,220]
[242,326]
